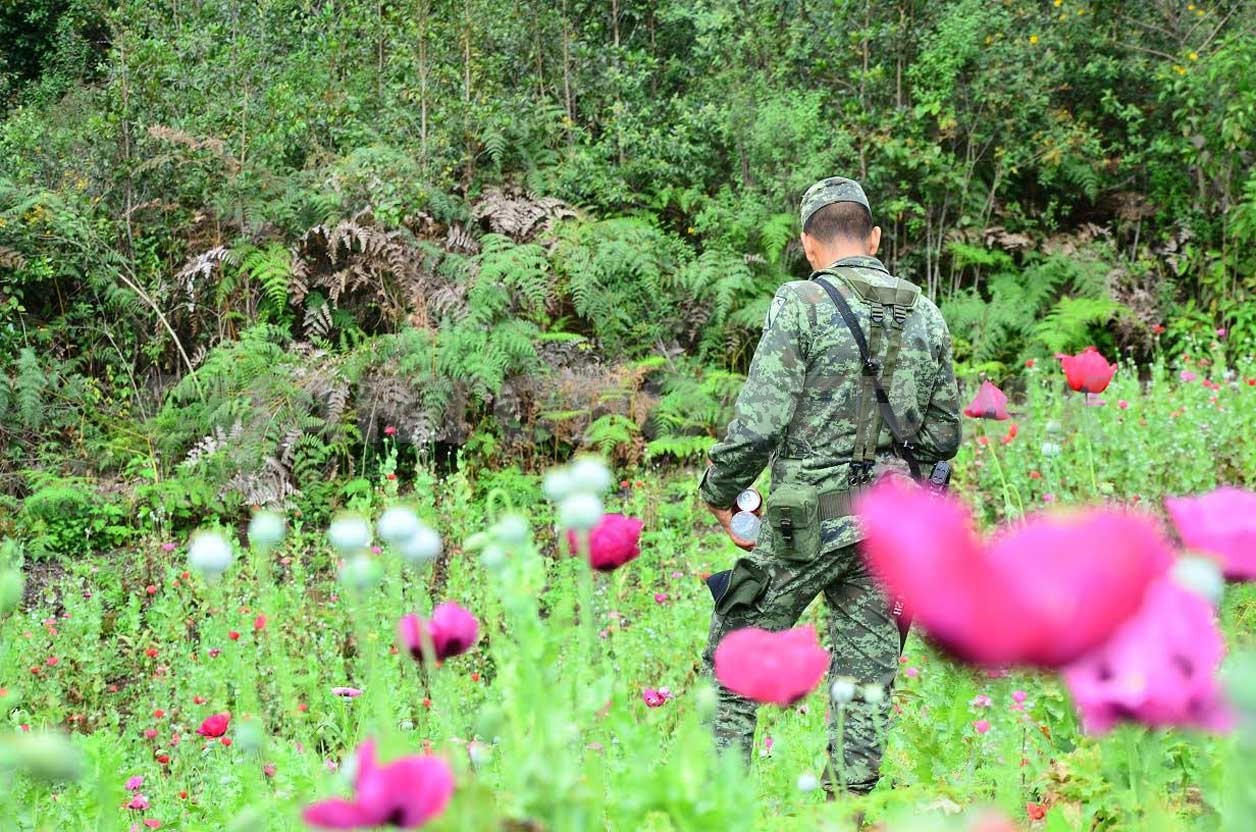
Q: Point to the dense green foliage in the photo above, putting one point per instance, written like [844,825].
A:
[525,228]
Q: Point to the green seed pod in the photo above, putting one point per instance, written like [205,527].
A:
[11,585]
[47,756]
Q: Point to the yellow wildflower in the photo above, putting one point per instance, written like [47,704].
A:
[1033,39]
[1059,3]
[1194,56]
[690,231]
[1180,70]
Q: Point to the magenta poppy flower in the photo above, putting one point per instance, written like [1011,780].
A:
[346,693]
[215,726]
[139,803]
[1043,592]
[614,541]
[989,403]
[133,783]
[769,667]
[1088,371]
[1159,669]
[1187,376]
[452,629]
[1221,523]
[405,793]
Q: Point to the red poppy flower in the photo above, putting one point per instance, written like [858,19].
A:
[163,758]
[215,726]
[989,403]
[259,623]
[234,635]
[150,589]
[1088,371]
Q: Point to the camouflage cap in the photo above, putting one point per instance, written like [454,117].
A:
[830,190]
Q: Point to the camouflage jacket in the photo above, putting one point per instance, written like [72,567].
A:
[798,407]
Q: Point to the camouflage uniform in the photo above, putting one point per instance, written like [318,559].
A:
[798,412]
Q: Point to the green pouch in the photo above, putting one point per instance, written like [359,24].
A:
[746,584]
[793,515]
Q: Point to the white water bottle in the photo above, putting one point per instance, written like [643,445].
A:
[745,523]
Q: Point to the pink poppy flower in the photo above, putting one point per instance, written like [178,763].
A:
[1159,669]
[660,597]
[989,403]
[654,698]
[1038,593]
[1186,376]
[347,693]
[452,629]
[1018,696]
[614,541]
[405,793]
[981,700]
[769,667]
[215,726]
[1222,523]
[1123,404]
[981,726]
[1088,371]
[134,783]
[139,803]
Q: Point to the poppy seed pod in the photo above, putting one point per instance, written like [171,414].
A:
[349,533]
[266,530]
[397,525]
[209,553]
[423,546]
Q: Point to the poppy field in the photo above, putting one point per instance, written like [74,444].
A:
[440,656]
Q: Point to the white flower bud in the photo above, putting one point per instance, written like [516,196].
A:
[266,530]
[360,573]
[423,546]
[397,525]
[511,530]
[349,533]
[580,511]
[843,690]
[807,782]
[1200,575]
[557,484]
[589,475]
[209,553]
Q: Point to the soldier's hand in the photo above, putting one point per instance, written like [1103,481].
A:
[725,518]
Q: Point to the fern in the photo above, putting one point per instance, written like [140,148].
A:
[271,267]
[1067,326]
[29,388]
[606,433]
[681,447]
[776,235]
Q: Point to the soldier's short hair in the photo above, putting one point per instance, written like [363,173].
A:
[839,219]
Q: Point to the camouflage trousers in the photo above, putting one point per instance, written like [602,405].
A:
[863,640]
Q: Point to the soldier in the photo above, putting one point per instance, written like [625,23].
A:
[810,409]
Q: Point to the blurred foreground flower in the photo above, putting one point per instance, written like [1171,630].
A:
[48,756]
[1159,669]
[209,553]
[405,793]
[1221,523]
[1088,371]
[989,403]
[777,668]
[452,629]
[1044,592]
[266,530]
[614,541]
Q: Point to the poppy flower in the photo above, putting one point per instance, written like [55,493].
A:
[1159,669]
[1088,371]
[1219,523]
[614,541]
[989,403]
[1038,593]
[452,629]
[346,693]
[133,783]
[405,793]
[771,667]
[215,726]
[655,698]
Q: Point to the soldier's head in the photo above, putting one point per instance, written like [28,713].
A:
[837,222]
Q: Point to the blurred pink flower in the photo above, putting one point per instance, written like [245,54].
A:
[139,803]
[452,629]
[981,701]
[1123,404]
[1088,371]
[614,541]
[1221,332]
[911,672]
[981,726]
[405,793]
[1043,592]
[1187,376]
[347,693]
[1222,523]
[1159,669]
[134,783]
[771,667]
[1018,695]
[655,698]
[989,403]
[660,597]
[167,547]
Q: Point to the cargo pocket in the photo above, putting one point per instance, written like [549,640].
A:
[793,518]
[745,586]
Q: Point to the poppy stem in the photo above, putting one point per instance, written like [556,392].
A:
[1008,510]
[1090,450]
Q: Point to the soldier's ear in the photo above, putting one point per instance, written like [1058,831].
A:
[874,241]
[808,248]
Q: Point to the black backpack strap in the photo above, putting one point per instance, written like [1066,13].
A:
[872,371]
